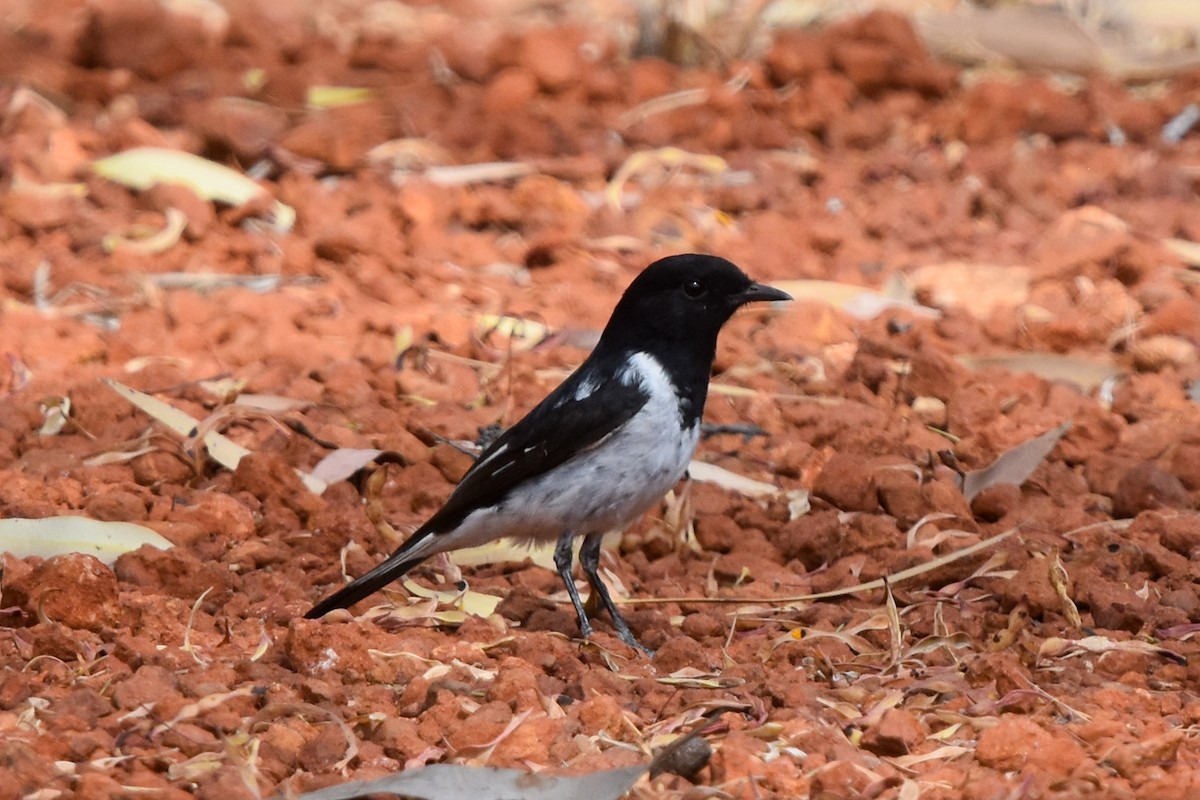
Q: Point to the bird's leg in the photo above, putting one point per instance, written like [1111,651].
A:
[589,559]
[562,561]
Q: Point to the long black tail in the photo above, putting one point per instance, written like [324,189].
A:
[383,574]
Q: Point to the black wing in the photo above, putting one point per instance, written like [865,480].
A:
[555,430]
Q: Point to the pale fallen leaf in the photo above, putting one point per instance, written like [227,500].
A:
[408,153]
[1049,37]
[910,538]
[53,536]
[797,499]
[212,281]
[945,751]
[930,644]
[855,643]
[1016,465]
[1185,631]
[143,167]
[472,602]
[419,611]
[270,403]
[460,782]
[55,414]
[223,388]
[1187,250]
[518,334]
[988,569]
[1059,579]
[334,96]
[223,450]
[149,241]
[47,191]
[1087,372]
[342,463]
[471,174]
[505,550]
[663,103]
[140,363]
[20,98]
[483,751]
[117,456]
[857,301]
[711,473]
[1056,647]
[671,159]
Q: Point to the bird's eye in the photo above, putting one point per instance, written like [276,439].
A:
[695,289]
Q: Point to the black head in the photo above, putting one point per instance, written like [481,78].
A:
[682,302]
[674,311]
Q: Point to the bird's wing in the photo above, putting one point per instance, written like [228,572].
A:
[575,417]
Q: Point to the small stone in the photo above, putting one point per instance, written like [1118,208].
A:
[451,462]
[1018,742]
[553,56]
[684,758]
[76,590]
[37,209]
[845,484]
[151,686]
[1146,487]
[995,502]
[1183,599]
[247,127]
[399,738]
[838,779]
[1181,534]
[116,505]
[338,137]
[601,713]
[321,753]
[896,734]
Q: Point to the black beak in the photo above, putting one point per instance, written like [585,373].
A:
[756,292]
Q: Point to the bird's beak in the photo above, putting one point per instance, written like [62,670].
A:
[758,292]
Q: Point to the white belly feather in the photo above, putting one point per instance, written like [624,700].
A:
[604,488]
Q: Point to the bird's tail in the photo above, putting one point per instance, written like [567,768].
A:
[395,566]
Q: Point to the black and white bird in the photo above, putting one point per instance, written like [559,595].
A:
[601,449]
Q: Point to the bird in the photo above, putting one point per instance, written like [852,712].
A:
[603,447]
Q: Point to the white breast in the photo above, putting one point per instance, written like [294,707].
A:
[603,488]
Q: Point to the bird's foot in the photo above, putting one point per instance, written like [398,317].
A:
[626,636]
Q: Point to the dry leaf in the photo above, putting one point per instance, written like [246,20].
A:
[143,167]
[335,96]
[146,240]
[1056,647]
[459,782]
[857,301]
[53,536]
[1014,466]
[223,450]
[1087,372]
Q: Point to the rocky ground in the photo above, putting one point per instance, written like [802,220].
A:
[1044,225]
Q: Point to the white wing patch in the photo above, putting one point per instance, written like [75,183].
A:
[492,456]
[585,388]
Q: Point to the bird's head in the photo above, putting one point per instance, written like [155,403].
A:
[682,301]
